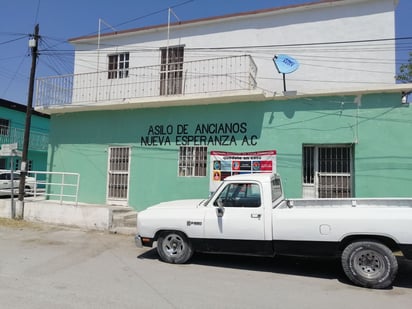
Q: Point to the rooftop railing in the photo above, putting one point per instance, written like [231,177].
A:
[186,78]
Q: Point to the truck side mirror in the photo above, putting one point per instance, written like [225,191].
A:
[220,211]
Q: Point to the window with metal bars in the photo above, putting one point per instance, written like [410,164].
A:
[4,126]
[118,173]
[308,164]
[328,168]
[171,70]
[118,66]
[192,161]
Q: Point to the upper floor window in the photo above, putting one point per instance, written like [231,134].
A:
[4,126]
[118,66]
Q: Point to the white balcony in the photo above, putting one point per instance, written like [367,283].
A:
[148,83]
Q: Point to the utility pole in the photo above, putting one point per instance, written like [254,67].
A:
[33,44]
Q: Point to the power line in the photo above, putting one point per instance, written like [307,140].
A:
[146,15]
[54,60]
[303,45]
[37,12]
[12,33]
[153,13]
[315,43]
[13,77]
[14,40]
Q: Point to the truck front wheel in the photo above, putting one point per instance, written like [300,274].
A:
[174,247]
[369,264]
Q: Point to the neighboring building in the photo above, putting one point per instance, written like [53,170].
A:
[146,107]
[12,125]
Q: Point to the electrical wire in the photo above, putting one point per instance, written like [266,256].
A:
[37,12]
[153,13]
[57,60]
[13,78]
[14,40]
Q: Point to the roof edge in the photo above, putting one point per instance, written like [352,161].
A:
[406,87]
[20,108]
[205,20]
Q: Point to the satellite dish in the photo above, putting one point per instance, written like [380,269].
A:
[285,64]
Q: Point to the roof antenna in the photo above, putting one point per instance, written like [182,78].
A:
[170,11]
[98,49]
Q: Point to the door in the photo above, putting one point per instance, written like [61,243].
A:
[240,229]
[118,176]
[171,71]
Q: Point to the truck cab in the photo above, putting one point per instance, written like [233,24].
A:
[238,217]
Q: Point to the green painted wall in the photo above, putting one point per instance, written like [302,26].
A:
[383,159]
[38,125]
[377,125]
[17,119]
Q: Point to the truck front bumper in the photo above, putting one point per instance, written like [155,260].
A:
[143,241]
[138,241]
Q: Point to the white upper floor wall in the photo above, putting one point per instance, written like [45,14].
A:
[339,44]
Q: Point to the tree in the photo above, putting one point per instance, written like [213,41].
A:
[405,71]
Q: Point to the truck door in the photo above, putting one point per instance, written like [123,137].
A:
[234,222]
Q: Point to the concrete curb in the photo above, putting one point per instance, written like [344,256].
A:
[85,216]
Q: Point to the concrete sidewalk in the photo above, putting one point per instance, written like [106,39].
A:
[114,219]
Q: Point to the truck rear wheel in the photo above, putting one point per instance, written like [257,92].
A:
[369,264]
[174,247]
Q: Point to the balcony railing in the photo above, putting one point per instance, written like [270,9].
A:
[188,78]
[37,141]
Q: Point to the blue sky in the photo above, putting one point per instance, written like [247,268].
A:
[60,20]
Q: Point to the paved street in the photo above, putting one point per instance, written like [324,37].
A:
[43,266]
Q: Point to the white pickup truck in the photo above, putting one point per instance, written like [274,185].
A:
[249,215]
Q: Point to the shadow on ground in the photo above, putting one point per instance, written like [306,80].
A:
[324,268]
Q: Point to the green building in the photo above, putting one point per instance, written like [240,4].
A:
[12,125]
[353,144]
[147,109]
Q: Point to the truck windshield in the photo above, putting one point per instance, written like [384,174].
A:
[206,202]
[276,189]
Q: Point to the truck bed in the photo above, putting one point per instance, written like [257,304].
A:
[351,202]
